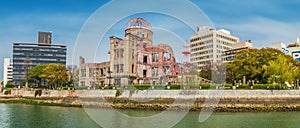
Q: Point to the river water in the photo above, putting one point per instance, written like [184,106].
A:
[29,116]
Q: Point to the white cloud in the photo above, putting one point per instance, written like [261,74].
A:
[263,31]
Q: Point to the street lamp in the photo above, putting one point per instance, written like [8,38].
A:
[297,83]
[109,76]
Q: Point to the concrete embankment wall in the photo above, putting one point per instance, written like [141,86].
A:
[161,93]
[62,93]
[224,100]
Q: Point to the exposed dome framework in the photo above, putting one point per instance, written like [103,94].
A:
[138,23]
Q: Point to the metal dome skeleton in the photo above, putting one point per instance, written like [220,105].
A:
[138,23]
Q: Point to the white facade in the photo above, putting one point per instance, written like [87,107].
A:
[245,44]
[7,71]
[208,45]
[280,46]
[291,49]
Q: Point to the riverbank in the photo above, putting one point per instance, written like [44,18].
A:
[162,104]
[193,100]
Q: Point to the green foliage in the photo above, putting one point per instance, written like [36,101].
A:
[206,72]
[143,87]
[118,93]
[265,65]
[175,86]
[68,88]
[35,73]
[7,91]
[55,75]
[279,71]
[9,84]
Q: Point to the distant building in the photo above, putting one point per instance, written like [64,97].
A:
[208,44]
[7,71]
[230,54]
[280,46]
[292,49]
[73,73]
[28,55]
[93,74]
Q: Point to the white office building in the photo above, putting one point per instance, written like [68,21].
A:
[292,49]
[7,71]
[208,45]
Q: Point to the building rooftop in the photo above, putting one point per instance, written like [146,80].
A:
[33,44]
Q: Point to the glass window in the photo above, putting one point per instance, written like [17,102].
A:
[116,68]
[121,68]
[154,71]
[166,70]
[83,72]
[166,56]
[154,57]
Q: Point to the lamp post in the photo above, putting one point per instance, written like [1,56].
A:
[109,76]
[297,83]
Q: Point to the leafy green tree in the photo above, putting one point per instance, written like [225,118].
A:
[55,75]
[257,64]
[9,84]
[36,72]
[280,70]
[206,72]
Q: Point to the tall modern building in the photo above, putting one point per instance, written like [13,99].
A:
[28,55]
[208,44]
[7,71]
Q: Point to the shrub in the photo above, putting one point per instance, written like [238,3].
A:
[7,91]
[118,93]
[175,86]
[9,84]
[143,87]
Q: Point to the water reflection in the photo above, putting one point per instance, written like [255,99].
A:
[28,116]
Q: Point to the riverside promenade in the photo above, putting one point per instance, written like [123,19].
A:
[224,100]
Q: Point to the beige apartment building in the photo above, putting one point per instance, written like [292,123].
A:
[208,45]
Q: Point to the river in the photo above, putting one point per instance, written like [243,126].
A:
[30,116]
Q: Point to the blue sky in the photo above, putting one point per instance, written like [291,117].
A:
[262,21]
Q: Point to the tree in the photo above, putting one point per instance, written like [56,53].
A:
[280,70]
[36,72]
[9,84]
[55,75]
[256,64]
[206,72]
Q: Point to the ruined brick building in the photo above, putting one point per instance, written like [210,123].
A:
[134,59]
